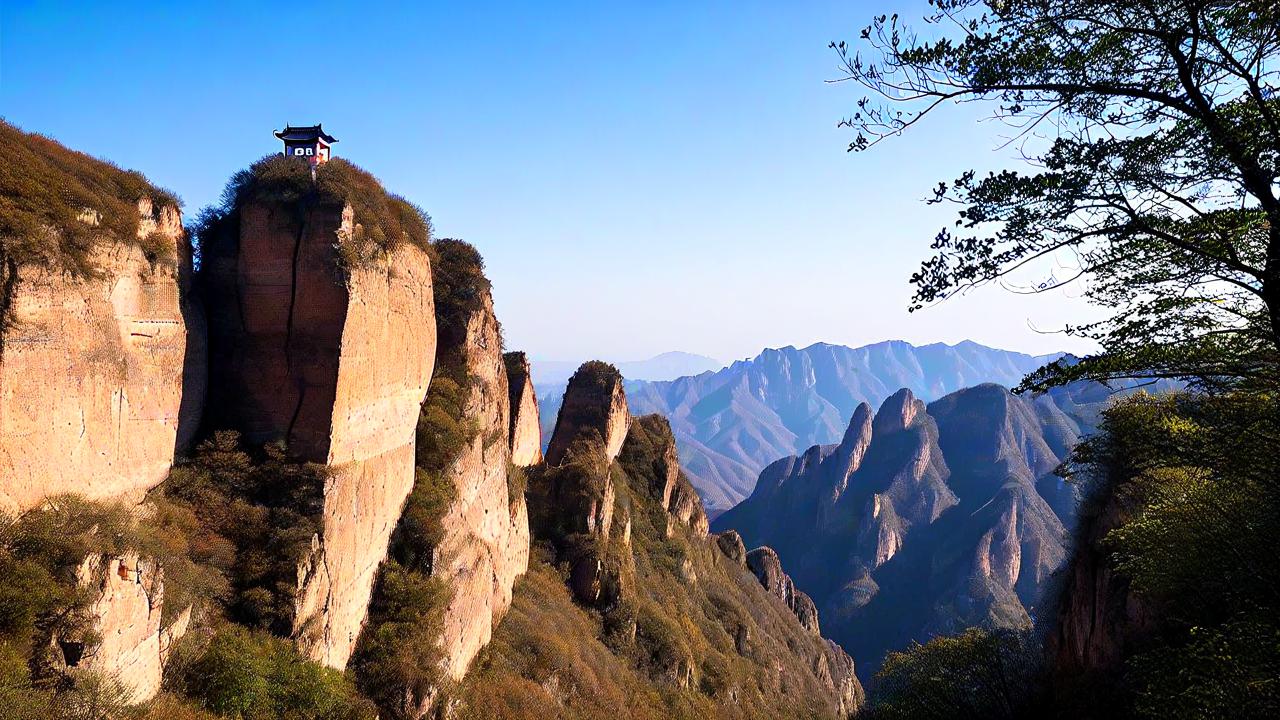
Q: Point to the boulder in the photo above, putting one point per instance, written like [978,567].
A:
[127,599]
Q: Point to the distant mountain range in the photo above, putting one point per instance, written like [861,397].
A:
[926,520]
[733,422]
[667,366]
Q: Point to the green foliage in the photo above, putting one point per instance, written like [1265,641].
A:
[1198,478]
[398,662]
[383,221]
[233,527]
[46,188]
[40,552]
[461,289]
[978,674]
[1157,186]
[251,675]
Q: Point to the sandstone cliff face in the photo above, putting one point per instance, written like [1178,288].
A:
[127,600]
[101,378]
[526,429]
[335,362]
[486,542]
[593,402]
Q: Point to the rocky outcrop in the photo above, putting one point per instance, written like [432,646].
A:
[763,562]
[127,598]
[334,360]
[1100,621]
[650,597]
[594,403]
[576,491]
[730,543]
[526,432]
[486,530]
[652,443]
[685,509]
[101,376]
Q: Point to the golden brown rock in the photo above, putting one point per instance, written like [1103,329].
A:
[526,431]
[101,377]
[334,361]
[486,541]
[127,597]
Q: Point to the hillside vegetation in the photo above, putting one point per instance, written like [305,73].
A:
[56,204]
[383,220]
[684,632]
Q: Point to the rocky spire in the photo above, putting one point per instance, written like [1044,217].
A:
[594,402]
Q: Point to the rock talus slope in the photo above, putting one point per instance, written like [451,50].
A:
[335,362]
[101,377]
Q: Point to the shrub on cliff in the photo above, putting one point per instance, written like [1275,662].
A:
[232,527]
[1199,478]
[460,290]
[254,676]
[383,220]
[58,203]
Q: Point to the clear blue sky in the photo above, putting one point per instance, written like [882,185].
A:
[640,177]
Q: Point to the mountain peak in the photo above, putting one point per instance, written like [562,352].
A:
[898,411]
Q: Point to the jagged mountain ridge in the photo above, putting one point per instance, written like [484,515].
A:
[630,603]
[665,366]
[923,520]
[733,422]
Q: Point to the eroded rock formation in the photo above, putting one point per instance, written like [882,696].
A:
[334,361]
[763,562]
[594,402]
[125,614]
[526,432]
[486,541]
[101,376]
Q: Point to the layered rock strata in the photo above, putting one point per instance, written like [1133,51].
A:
[101,376]
[334,361]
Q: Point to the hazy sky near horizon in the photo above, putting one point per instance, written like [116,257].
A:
[640,177]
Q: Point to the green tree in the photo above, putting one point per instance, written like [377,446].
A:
[1151,134]
[978,674]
